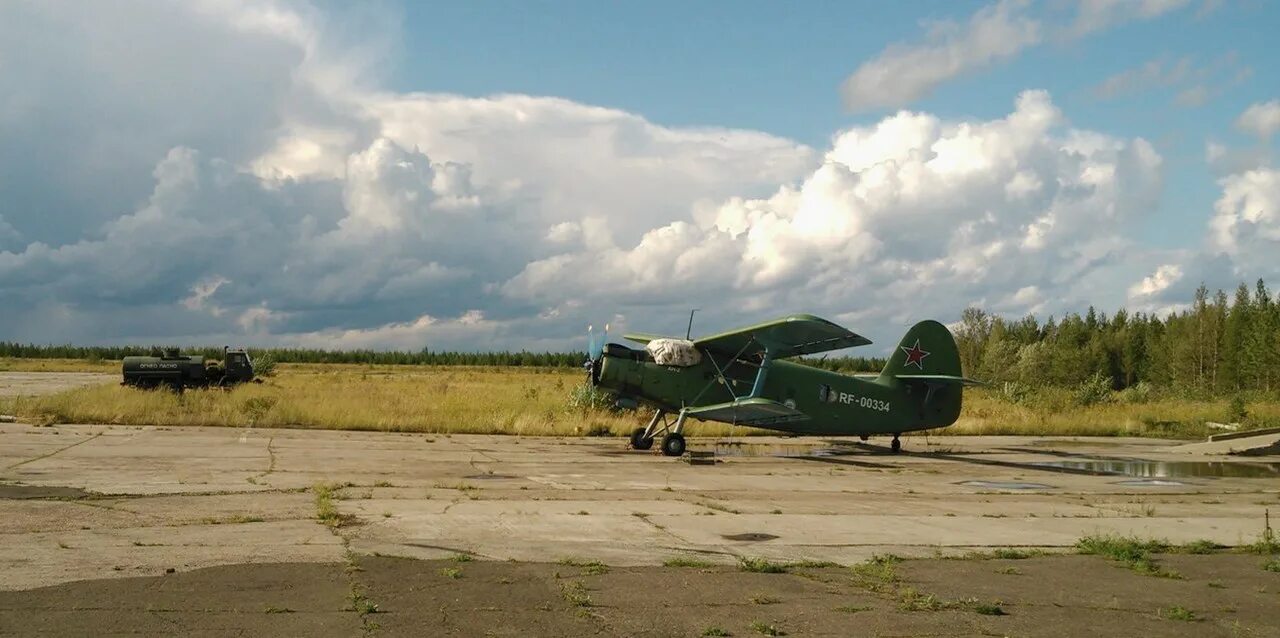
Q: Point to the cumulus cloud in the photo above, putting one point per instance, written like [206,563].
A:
[912,215]
[1261,119]
[323,211]
[903,73]
[1242,236]
[1246,220]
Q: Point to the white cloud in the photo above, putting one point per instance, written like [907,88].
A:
[318,210]
[912,213]
[1261,119]
[201,293]
[1246,221]
[1097,15]
[904,73]
[1194,83]
[1164,276]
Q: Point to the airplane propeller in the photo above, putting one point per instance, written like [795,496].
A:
[595,347]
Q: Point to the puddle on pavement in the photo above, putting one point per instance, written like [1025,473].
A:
[1072,443]
[1167,469]
[779,449]
[1152,483]
[749,536]
[1006,485]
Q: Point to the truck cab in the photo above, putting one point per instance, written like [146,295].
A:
[239,367]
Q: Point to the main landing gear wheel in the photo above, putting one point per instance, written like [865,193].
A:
[673,444]
[896,446]
[638,440]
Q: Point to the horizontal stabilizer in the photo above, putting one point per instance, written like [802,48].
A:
[761,412]
[938,378]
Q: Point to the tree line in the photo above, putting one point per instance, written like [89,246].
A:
[1216,345]
[308,355]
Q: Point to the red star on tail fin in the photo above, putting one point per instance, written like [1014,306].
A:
[915,356]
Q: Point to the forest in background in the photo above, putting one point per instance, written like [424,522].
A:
[1218,346]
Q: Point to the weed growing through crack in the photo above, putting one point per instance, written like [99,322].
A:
[715,631]
[451,572]
[272,609]
[326,512]
[1200,547]
[760,566]
[361,603]
[589,567]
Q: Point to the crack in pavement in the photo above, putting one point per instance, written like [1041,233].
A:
[61,449]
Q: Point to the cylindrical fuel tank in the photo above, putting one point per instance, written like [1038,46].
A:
[166,370]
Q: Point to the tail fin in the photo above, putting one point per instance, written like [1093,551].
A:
[928,350]
[927,362]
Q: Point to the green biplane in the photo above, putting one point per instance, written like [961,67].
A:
[742,377]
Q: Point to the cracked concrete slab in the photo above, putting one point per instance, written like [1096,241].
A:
[142,499]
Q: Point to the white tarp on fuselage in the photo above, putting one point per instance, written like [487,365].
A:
[674,352]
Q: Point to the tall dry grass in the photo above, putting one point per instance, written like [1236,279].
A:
[451,399]
[535,401]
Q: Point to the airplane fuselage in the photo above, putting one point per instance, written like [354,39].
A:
[835,404]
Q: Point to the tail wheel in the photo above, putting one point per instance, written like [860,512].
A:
[673,444]
[896,446]
[639,441]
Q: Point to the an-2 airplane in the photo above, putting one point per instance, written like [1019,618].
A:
[742,377]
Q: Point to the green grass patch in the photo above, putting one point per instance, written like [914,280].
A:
[272,609]
[851,609]
[1272,565]
[451,572]
[326,511]
[589,567]
[989,609]
[1015,554]
[1200,547]
[1178,612]
[766,629]
[682,561]
[715,631]
[1132,552]
[760,566]
[814,564]
[575,593]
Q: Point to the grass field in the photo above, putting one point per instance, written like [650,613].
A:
[533,401]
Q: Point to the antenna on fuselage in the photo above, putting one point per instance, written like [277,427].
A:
[688,333]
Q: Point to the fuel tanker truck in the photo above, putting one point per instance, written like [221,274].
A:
[175,371]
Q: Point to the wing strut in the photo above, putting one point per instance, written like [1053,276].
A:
[765,363]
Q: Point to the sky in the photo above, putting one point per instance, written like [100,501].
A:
[499,175]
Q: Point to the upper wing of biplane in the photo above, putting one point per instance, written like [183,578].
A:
[786,337]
